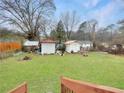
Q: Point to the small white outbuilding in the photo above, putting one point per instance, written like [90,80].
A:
[48,46]
[72,46]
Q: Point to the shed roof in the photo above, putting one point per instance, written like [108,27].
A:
[86,42]
[48,41]
[31,43]
[71,41]
[76,41]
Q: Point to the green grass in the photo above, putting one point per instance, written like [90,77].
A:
[43,73]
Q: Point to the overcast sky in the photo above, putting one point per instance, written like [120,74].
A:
[104,11]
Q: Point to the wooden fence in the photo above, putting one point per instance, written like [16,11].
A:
[20,89]
[74,86]
[9,46]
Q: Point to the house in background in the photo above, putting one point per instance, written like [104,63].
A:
[106,45]
[75,46]
[48,46]
[86,44]
[72,46]
[30,46]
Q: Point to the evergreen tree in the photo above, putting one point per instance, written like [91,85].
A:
[59,32]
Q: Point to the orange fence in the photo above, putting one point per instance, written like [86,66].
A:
[74,86]
[20,89]
[9,46]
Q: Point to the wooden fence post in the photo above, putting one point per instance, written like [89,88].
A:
[20,89]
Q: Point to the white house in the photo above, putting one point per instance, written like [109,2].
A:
[72,46]
[75,46]
[48,46]
[86,44]
[30,45]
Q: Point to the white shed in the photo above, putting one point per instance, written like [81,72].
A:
[72,46]
[48,47]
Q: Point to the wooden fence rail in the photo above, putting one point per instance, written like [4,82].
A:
[74,86]
[20,89]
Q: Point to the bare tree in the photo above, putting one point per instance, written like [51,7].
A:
[93,24]
[70,21]
[111,29]
[27,15]
[47,27]
[121,25]
[92,29]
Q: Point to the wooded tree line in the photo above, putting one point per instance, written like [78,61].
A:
[33,17]
[11,35]
[89,31]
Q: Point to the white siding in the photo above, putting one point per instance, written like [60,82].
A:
[75,47]
[86,45]
[48,48]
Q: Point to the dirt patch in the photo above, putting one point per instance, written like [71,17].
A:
[25,58]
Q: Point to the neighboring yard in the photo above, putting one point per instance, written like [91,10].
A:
[43,73]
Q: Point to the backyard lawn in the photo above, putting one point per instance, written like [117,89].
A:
[43,73]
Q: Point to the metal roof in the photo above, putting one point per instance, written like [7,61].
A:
[86,42]
[71,41]
[48,41]
[31,43]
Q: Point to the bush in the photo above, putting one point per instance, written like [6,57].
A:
[102,48]
[116,49]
